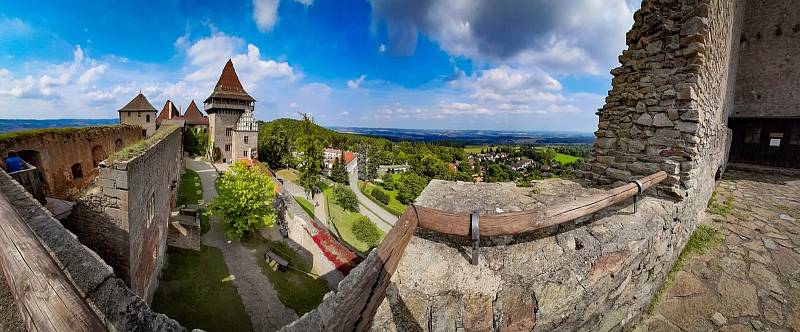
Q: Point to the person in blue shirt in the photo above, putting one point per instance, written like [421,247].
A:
[14,162]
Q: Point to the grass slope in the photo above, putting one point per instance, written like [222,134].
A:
[297,290]
[395,207]
[191,291]
[565,158]
[288,174]
[306,205]
[343,221]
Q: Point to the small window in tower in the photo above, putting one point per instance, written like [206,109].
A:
[139,114]
[244,153]
[147,118]
[77,172]
[228,131]
[752,134]
[795,138]
[227,147]
[245,140]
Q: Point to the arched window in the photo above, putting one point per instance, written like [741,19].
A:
[77,172]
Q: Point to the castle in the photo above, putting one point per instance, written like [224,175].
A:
[230,122]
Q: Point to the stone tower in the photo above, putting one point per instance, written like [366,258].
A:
[232,127]
[139,112]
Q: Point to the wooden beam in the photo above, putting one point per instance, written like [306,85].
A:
[519,222]
[44,295]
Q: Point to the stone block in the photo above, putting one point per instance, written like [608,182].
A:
[618,174]
[662,120]
[645,120]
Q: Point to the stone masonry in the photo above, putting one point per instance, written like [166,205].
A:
[56,152]
[125,217]
[107,295]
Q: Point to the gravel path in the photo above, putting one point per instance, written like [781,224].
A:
[260,300]
[374,212]
[752,282]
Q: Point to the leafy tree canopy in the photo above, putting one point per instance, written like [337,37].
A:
[245,199]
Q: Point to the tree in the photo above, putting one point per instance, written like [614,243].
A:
[546,155]
[345,198]
[371,168]
[311,160]
[380,195]
[366,231]
[275,148]
[245,200]
[339,171]
[496,173]
[388,181]
[409,186]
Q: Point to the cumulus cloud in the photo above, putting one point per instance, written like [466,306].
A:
[92,74]
[210,53]
[355,84]
[265,14]
[539,32]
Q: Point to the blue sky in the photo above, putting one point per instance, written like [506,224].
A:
[453,64]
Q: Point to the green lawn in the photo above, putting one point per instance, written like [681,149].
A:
[190,191]
[192,292]
[297,290]
[306,205]
[288,174]
[565,158]
[343,221]
[394,207]
[475,148]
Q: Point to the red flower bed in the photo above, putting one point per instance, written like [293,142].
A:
[341,257]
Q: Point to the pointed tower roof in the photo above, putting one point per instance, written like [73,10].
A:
[168,112]
[194,116]
[138,104]
[229,86]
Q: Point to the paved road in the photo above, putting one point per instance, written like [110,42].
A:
[374,212]
[260,300]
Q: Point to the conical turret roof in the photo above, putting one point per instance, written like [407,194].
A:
[229,86]
[193,115]
[138,104]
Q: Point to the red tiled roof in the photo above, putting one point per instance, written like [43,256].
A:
[194,116]
[348,157]
[229,86]
[168,112]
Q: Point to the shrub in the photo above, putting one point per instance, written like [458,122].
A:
[365,231]
[380,195]
[389,182]
[409,186]
[345,198]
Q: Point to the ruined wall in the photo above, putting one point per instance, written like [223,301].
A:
[107,295]
[125,217]
[769,73]
[55,151]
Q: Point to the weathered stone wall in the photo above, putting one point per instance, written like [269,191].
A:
[768,71]
[218,122]
[56,151]
[125,216]
[671,97]
[107,295]
[239,146]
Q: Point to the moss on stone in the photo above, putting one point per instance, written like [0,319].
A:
[137,148]
[21,135]
[715,207]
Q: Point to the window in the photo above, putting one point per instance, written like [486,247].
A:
[139,114]
[129,114]
[227,147]
[752,134]
[244,154]
[795,138]
[228,131]
[245,140]
[77,172]
[144,133]
[147,118]
[151,209]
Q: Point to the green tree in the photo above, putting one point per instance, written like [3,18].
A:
[380,195]
[547,155]
[409,186]
[275,148]
[311,160]
[366,231]
[245,200]
[388,181]
[496,173]
[339,171]
[345,198]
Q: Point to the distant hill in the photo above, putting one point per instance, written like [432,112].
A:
[11,125]
[473,137]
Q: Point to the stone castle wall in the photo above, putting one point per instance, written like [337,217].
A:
[767,76]
[125,217]
[107,295]
[218,122]
[58,150]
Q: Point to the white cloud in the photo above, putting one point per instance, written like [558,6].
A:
[382,48]
[92,74]
[355,84]
[14,27]
[581,36]
[265,14]
[305,2]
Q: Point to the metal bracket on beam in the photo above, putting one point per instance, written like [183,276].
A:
[639,192]
[476,235]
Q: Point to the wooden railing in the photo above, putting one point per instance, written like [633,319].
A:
[44,296]
[358,306]
[30,180]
